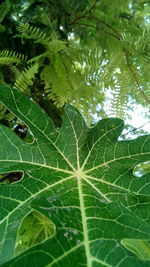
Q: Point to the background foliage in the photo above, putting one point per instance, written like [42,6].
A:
[94,54]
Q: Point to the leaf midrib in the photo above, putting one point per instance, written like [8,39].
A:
[116,159]
[84,223]
[37,164]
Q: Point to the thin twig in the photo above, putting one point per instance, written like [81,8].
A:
[119,37]
[85,14]
[92,7]
[135,78]
[96,28]
[135,129]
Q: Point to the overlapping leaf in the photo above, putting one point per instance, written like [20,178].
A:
[82,179]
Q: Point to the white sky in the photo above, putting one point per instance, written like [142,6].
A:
[137,115]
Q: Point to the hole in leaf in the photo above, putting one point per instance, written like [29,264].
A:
[9,120]
[140,248]
[23,132]
[9,178]
[35,229]
[141,169]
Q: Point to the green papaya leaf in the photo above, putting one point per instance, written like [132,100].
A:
[82,180]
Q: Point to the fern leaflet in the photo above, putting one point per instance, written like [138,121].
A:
[30,32]
[25,79]
[4,9]
[9,57]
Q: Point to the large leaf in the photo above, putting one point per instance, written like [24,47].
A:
[80,178]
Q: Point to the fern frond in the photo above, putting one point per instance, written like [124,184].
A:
[38,58]
[56,46]
[142,44]
[13,69]
[118,103]
[25,79]
[4,9]
[30,32]
[59,101]
[56,84]
[87,60]
[63,82]
[9,57]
